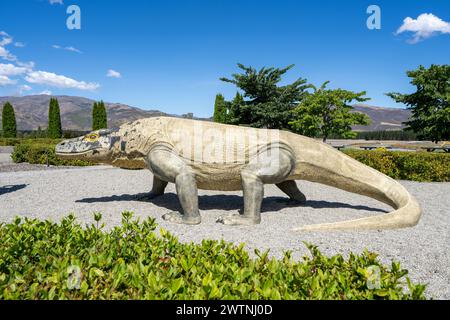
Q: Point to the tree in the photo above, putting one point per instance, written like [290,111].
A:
[220,109]
[327,112]
[237,110]
[430,104]
[54,120]
[269,105]
[8,121]
[94,116]
[99,117]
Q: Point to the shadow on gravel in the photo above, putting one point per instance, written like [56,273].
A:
[11,188]
[227,202]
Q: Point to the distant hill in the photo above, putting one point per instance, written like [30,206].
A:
[382,118]
[32,112]
[76,112]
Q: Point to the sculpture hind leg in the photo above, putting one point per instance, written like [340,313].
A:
[168,167]
[253,190]
[157,190]
[290,188]
[268,167]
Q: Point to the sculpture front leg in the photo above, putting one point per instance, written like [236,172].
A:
[165,164]
[187,194]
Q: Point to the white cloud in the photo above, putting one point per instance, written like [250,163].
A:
[425,26]
[24,88]
[6,55]
[19,44]
[4,80]
[46,92]
[26,70]
[55,1]
[9,69]
[6,39]
[113,74]
[29,65]
[59,81]
[70,48]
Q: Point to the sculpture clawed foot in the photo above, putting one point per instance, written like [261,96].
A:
[238,220]
[179,218]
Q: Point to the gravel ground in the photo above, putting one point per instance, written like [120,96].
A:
[16,167]
[423,250]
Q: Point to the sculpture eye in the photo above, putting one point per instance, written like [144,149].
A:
[91,137]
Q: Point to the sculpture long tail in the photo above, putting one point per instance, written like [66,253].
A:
[318,162]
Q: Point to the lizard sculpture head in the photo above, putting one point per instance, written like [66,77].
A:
[96,146]
[105,146]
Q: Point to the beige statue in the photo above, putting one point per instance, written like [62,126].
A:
[206,155]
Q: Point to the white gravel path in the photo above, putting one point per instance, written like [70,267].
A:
[423,250]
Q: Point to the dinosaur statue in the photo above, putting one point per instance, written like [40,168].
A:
[206,155]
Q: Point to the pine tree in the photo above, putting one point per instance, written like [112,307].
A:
[237,111]
[54,120]
[8,121]
[220,109]
[268,104]
[99,116]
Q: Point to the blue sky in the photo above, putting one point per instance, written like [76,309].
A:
[170,54]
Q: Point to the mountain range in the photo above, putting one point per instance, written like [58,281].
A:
[76,113]
[382,118]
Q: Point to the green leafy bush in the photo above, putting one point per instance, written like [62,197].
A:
[46,260]
[17,141]
[40,153]
[416,166]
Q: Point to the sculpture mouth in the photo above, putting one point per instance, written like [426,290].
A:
[72,154]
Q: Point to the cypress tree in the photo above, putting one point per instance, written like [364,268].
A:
[54,120]
[99,117]
[220,109]
[8,121]
[102,115]
[94,116]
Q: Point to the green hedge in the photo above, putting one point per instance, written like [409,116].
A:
[46,260]
[40,153]
[416,166]
[17,141]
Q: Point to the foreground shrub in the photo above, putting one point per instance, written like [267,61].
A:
[42,153]
[416,166]
[17,141]
[45,260]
